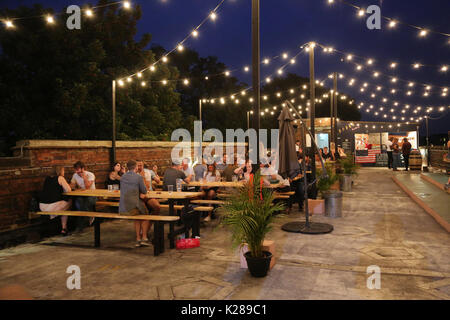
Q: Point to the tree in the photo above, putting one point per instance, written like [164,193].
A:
[56,82]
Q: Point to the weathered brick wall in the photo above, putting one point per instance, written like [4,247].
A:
[19,182]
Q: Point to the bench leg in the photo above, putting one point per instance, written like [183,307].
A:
[161,237]
[96,233]
[171,236]
[196,225]
[156,238]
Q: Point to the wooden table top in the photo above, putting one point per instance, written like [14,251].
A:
[150,194]
[224,184]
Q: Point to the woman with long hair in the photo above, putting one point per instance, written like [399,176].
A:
[114,175]
[51,197]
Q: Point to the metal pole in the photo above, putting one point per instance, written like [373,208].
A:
[335,105]
[200,109]
[428,142]
[113,122]
[248,120]
[256,74]
[312,107]
[331,115]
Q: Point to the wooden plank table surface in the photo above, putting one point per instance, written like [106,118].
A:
[150,194]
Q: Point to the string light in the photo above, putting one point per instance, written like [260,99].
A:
[50,20]
[89,13]
[126,5]
[9,24]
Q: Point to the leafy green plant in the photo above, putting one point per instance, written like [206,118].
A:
[348,166]
[324,183]
[249,213]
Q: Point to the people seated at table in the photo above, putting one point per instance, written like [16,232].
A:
[199,170]
[228,170]
[51,198]
[156,179]
[187,169]
[172,174]
[341,153]
[152,204]
[113,178]
[83,179]
[132,192]
[245,170]
[222,164]
[210,193]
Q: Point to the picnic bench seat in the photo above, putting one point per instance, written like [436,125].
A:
[108,203]
[218,202]
[158,226]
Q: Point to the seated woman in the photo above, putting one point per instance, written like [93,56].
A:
[113,177]
[211,175]
[51,198]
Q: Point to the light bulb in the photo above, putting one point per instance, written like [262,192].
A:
[126,5]
[180,47]
[164,59]
[246,69]
[195,33]
[423,33]
[89,13]
[213,16]
[50,20]
[392,23]
[139,75]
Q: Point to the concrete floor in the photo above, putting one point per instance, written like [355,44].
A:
[381,226]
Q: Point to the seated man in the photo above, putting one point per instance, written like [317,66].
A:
[172,174]
[199,170]
[229,170]
[132,191]
[152,204]
[83,179]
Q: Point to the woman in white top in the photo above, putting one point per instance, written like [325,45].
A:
[211,175]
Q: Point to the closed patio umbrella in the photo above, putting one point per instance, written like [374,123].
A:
[288,165]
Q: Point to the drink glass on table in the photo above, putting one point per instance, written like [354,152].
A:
[178,185]
[170,188]
[110,188]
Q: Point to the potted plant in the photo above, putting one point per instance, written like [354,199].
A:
[332,198]
[249,213]
[349,169]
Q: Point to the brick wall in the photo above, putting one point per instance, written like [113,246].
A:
[36,160]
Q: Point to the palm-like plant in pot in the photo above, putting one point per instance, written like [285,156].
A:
[249,213]
[349,169]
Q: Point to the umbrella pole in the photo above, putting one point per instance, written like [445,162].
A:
[305,179]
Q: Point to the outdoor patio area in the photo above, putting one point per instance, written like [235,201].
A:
[380,226]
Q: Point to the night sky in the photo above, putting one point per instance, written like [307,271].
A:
[286,24]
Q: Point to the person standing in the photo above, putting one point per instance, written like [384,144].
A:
[83,179]
[395,154]
[51,198]
[389,151]
[132,192]
[406,150]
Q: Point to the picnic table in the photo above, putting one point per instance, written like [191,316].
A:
[227,184]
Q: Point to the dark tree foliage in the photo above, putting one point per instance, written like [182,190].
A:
[56,83]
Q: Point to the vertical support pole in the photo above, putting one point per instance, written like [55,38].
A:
[200,109]
[248,120]
[256,75]
[428,142]
[334,137]
[305,179]
[312,106]
[331,115]
[113,145]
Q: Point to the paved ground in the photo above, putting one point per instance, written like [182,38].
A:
[381,226]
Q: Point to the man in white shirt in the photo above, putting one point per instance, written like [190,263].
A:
[188,171]
[389,151]
[83,179]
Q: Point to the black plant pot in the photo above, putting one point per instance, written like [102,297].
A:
[259,266]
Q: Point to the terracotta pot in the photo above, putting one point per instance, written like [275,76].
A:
[316,206]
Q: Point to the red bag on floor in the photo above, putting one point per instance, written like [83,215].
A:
[187,243]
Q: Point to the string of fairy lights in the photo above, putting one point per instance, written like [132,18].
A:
[392,23]
[50,19]
[359,62]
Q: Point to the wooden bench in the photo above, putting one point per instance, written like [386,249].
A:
[158,226]
[175,206]
[218,202]
[108,203]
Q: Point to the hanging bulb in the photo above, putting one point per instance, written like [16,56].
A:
[89,13]
[213,16]
[126,5]
[9,24]
[195,33]
[180,48]
[392,24]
